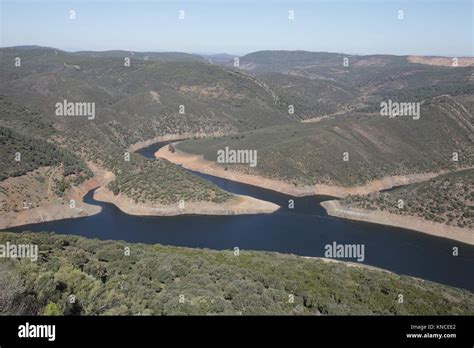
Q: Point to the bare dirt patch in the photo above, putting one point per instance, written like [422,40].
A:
[441,61]
[334,208]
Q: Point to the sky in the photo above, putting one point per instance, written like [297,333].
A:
[428,27]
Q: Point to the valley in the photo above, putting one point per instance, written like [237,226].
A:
[321,165]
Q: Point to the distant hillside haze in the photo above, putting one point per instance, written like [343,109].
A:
[144,98]
[300,110]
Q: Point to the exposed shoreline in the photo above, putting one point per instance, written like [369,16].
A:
[52,212]
[199,164]
[240,205]
[237,206]
[334,208]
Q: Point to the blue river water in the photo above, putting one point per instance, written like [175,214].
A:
[304,230]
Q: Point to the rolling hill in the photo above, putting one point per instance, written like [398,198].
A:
[376,146]
[447,199]
[336,111]
[153,279]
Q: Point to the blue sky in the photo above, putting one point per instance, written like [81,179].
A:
[429,27]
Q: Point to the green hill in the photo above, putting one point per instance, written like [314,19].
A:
[319,83]
[35,153]
[142,101]
[159,280]
[41,145]
[448,199]
[377,146]
[249,104]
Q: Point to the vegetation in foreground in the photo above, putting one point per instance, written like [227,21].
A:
[157,280]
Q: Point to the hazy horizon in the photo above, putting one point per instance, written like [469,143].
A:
[230,53]
[361,27]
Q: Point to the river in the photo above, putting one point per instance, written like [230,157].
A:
[304,230]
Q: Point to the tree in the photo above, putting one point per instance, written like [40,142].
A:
[52,309]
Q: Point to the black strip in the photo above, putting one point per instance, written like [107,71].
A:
[238,330]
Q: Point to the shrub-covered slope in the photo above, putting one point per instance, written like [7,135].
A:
[153,279]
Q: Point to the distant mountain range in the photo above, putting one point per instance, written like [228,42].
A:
[176,93]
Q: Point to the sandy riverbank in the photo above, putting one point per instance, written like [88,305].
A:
[197,163]
[238,205]
[51,212]
[334,208]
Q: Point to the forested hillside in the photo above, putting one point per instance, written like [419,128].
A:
[376,146]
[312,117]
[22,154]
[138,102]
[104,279]
[320,83]
[448,199]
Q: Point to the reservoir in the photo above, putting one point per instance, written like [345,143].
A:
[304,230]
